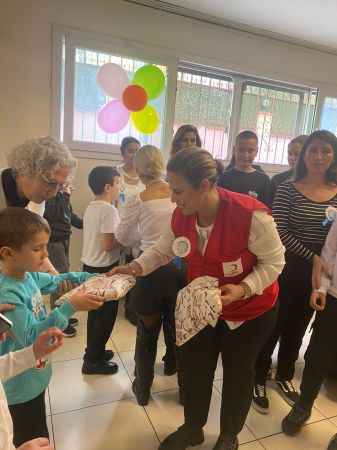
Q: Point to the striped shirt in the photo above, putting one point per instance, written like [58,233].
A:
[300,220]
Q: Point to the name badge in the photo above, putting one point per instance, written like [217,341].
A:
[232,268]
[181,247]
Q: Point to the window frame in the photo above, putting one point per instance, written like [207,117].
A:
[73,39]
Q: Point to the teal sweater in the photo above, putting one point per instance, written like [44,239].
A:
[29,319]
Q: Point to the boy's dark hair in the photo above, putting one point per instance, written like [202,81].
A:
[126,142]
[245,135]
[100,176]
[18,226]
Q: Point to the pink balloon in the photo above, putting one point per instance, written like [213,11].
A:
[112,79]
[113,116]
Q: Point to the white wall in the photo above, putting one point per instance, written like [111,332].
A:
[26,60]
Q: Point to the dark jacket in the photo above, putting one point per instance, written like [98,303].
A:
[278,179]
[61,218]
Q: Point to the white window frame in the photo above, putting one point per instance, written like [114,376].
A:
[115,46]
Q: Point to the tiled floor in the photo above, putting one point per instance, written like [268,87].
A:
[100,412]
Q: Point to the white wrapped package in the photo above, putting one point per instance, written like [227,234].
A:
[111,288]
[198,305]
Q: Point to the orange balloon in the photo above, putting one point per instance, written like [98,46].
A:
[134,98]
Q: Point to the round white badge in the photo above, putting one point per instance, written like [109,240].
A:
[181,247]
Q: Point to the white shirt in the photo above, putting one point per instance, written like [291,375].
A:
[264,242]
[329,256]
[143,221]
[11,365]
[100,217]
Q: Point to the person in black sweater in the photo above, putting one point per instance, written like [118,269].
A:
[294,150]
[243,177]
[61,218]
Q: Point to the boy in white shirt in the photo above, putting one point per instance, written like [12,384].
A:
[100,253]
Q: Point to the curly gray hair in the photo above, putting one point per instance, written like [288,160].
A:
[40,156]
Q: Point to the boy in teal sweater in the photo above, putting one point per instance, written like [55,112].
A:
[23,250]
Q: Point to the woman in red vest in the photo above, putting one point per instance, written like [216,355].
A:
[231,237]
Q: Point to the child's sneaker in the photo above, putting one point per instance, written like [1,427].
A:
[73,322]
[287,391]
[260,399]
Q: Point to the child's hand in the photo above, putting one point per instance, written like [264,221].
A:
[231,293]
[318,300]
[47,342]
[37,444]
[4,307]
[82,301]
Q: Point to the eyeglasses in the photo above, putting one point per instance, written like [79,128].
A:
[52,184]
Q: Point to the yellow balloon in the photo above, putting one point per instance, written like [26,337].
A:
[147,120]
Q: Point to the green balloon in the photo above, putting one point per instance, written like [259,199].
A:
[151,78]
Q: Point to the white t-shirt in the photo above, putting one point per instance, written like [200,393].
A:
[100,217]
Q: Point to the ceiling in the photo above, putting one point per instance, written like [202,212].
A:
[309,22]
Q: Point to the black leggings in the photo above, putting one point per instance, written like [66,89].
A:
[293,319]
[29,420]
[321,354]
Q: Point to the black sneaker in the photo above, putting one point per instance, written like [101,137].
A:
[99,368]
[333,443]
[69,332]
[73,322]
[295,420]
[182,439]
[260,399]
[287,391]
[226,442]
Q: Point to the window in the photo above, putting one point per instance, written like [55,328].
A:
[206,102]
[277,115]
[329,115]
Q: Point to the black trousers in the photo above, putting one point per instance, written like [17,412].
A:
[100,323]
[321,353]
[29,420]
[294,316]
[198,358]
[59,257]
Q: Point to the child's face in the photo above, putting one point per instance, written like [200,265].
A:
[294,151]
[114,189]
[32,255]
[245,152]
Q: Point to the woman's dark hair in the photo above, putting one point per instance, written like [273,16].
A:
[195,165]
[179,136]
[126,142]
[327,137]
[100,176]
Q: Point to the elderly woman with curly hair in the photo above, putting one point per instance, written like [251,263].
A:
[37,170]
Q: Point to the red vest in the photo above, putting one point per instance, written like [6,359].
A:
[227,243]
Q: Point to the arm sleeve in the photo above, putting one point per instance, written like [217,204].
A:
[159,254]
[264,242]
[329,253]
[281,213]
[49,284]
[15,363]
[76,221]
[267,192]
[127,230]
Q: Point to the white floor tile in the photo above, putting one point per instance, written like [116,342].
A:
[70,390]
[251,446]
[167,415]
[266,425]
[160,382]
[121,425]
[312,437]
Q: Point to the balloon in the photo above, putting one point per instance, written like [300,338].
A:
[134,98]
[112,79]
[113,116]
[147,120]
[151,78]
